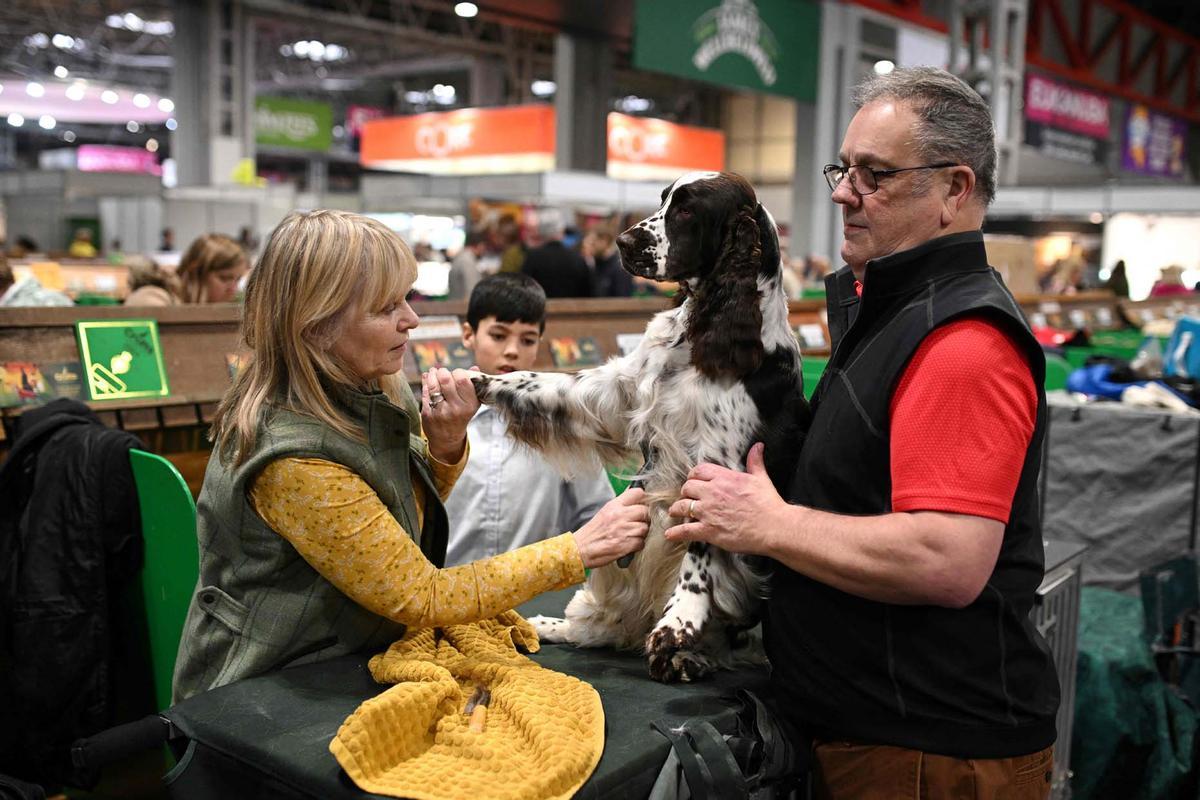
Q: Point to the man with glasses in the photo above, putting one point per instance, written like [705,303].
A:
[908,546]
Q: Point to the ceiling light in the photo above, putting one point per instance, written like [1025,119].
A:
[62,41]
[285,49]
[133,22]
[132,126]
[114,21]
[171,124]
[61,72]
[76,91]
[68,136]
[47,122]
[141,101]
[1095,218]
[316,50]
[884,67]
[34,89]
[39,41]
[152,145]
[166,105]
[301,48]
[110,97]
[543,88]
[466,9]
[16,120]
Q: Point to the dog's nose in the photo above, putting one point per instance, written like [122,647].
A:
[626,240]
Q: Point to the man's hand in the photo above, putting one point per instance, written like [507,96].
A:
[736,511]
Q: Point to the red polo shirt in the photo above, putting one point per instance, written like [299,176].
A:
[962,417]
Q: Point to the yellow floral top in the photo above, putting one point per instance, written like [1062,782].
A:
[339,525]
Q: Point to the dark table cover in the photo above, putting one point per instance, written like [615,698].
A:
[269,736]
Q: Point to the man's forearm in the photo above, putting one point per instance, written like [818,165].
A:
[904,558]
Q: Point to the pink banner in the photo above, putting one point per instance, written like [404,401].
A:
[111,158]
[1066,107]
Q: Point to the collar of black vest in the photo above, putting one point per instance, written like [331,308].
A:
[900,273]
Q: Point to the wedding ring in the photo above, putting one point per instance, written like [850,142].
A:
[692,509]
[435,398]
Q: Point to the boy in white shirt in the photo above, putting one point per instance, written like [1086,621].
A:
[508,495]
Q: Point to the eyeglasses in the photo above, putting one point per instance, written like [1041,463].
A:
[864,179]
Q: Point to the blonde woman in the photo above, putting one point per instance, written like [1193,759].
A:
[320,521]
[209,272]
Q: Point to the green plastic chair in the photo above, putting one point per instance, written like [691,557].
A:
[172,562]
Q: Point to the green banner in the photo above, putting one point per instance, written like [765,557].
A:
[284,122]
[122,358]
[765,45]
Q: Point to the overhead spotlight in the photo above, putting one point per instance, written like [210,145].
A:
[300,48]
[141,101]
[443,94]
[133,22]
[76,91]
[38,41]
[110,97]
[61,72]
[1095,218]
[34,89]
[335,52]
[16,120]
[285,50]
[171,124]
[316,50]
[466,10]
[62,41]
[884,67]
[47,122]
[132,126]
[543,88]
[68,136]
[152,145]
[166,105]
[114,21]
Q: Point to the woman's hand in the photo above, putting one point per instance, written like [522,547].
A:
[619,528]
[448,403]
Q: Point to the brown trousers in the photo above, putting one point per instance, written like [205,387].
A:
[846,771]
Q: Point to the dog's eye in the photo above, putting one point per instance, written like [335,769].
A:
[683,213]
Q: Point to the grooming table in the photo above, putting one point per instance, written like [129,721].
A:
[269,736]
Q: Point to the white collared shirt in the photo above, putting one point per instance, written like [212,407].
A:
[508,496]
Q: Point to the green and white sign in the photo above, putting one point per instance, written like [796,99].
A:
[765,45]
[284,122]
[122,358]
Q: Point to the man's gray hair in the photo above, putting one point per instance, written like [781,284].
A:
[954,124]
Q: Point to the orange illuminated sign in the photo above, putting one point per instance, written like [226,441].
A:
[480,141]
[472,141]
[644,149]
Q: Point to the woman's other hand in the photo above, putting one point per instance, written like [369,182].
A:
[619,528]
[448,404]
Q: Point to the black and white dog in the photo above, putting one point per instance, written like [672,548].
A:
[710,378]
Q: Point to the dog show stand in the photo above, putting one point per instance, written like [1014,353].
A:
[269,736]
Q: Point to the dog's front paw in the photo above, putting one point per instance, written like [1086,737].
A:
[551,630]
[482,384]
[670,655]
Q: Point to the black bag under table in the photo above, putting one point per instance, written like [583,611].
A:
[269,736]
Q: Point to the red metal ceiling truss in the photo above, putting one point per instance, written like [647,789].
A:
[1154,63]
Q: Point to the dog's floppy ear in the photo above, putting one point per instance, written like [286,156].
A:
[725,324]
[768,241]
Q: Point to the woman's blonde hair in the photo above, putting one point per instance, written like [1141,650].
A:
[318,271]
[209,253]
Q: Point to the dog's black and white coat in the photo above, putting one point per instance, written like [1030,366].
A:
[710,378]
